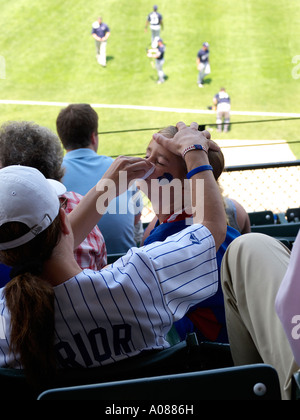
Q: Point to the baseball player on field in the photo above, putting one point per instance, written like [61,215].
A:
[203,64]
[222,103]
[54,314]
[155,20]
[100,32]
[160,60]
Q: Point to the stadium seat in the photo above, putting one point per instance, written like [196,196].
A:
[173,337]
[261,218]
[111,258]
[186,356]
[14,386]
[251,382]
[145,225]
[286,233]
[293,215]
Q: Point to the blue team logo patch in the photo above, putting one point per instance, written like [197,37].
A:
[194,239]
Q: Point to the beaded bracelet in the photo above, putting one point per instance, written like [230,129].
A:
[193,147]
[199,169]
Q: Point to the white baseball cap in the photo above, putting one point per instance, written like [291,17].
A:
[26,196]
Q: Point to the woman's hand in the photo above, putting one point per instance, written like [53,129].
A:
[115,181]
[186,136]
[123,171]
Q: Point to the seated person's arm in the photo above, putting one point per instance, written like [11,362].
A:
[87,214]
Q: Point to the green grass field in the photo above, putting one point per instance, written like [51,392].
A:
[49,56]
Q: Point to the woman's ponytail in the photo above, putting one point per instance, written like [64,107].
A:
[30,301]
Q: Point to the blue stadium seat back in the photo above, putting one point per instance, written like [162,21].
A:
[111,258]
[285,233]
[261,218]
[251,382]
[293,215]
[186,356]
[14,386]
[183,357]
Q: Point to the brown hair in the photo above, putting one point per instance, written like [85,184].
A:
[30,300]
[75,125]
[216,159]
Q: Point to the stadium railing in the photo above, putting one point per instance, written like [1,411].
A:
[260,187]
[251,382]
[270,193]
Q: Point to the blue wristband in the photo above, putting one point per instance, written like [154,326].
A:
[199,169]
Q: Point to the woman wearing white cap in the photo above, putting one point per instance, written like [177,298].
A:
[28,144]
[53,314]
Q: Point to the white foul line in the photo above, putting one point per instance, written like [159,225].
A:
[153,108]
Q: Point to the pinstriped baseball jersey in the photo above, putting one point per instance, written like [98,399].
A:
[106,316]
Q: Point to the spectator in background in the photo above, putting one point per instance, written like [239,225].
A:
[155,20]
[222,103]
[203,64]
[77,127]
[100,32]
[237,216]
[28,144]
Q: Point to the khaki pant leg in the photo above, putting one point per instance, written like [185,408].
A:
[102,57]
[252,270]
